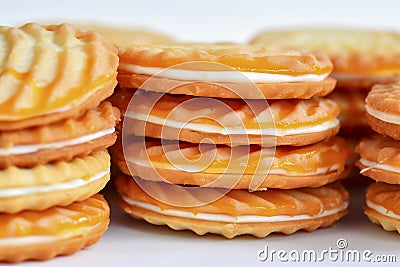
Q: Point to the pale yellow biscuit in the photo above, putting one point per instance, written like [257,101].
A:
[60,141]
[48,185]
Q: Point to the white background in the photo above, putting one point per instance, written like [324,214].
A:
[132,243]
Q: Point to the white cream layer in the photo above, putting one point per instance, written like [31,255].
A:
[27,240]
[382,210]
[383,116]
[29,190]
[201,127]
[221,76]
[26,149]
[376,165]
[272,171]
[231,219]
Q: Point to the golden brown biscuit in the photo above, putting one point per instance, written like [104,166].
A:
[382,205]
[239,211]
[42,235]
[361,58]
[225,70]
[383,109]
[228,121]
[48,185]
[93,130]
[242,167]
[51,73]
[380,159]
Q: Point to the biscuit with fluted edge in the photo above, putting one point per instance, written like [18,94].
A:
[48,185]
[250,72]
[268,123]
[382,205]
[49,73]
[380,158]
[382,109]
[241,167]
[56,231]
[321,207]
[93,130]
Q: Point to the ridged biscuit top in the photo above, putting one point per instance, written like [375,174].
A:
[247,58]
[48,69]
[386,195]
[380,149]
[273,202]
[351,50]
[385,98]
[74,219]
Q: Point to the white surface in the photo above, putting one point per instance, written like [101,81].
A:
[132,243]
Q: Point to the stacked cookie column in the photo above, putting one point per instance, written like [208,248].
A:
[207,129]
[54,131]
[380,156]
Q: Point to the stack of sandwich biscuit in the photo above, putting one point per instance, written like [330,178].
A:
[208,128]
[361,58]
[54,131]
[380,156]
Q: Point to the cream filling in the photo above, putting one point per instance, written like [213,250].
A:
[229,218]
[376,165]
[221,76]
[382,210]
[26,149]
[27,240]
[38,189]
[383,116]
[200,127]
[272,171]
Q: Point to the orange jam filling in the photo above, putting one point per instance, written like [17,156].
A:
[55,221]
[293,160]
[246,118]
[13,108]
